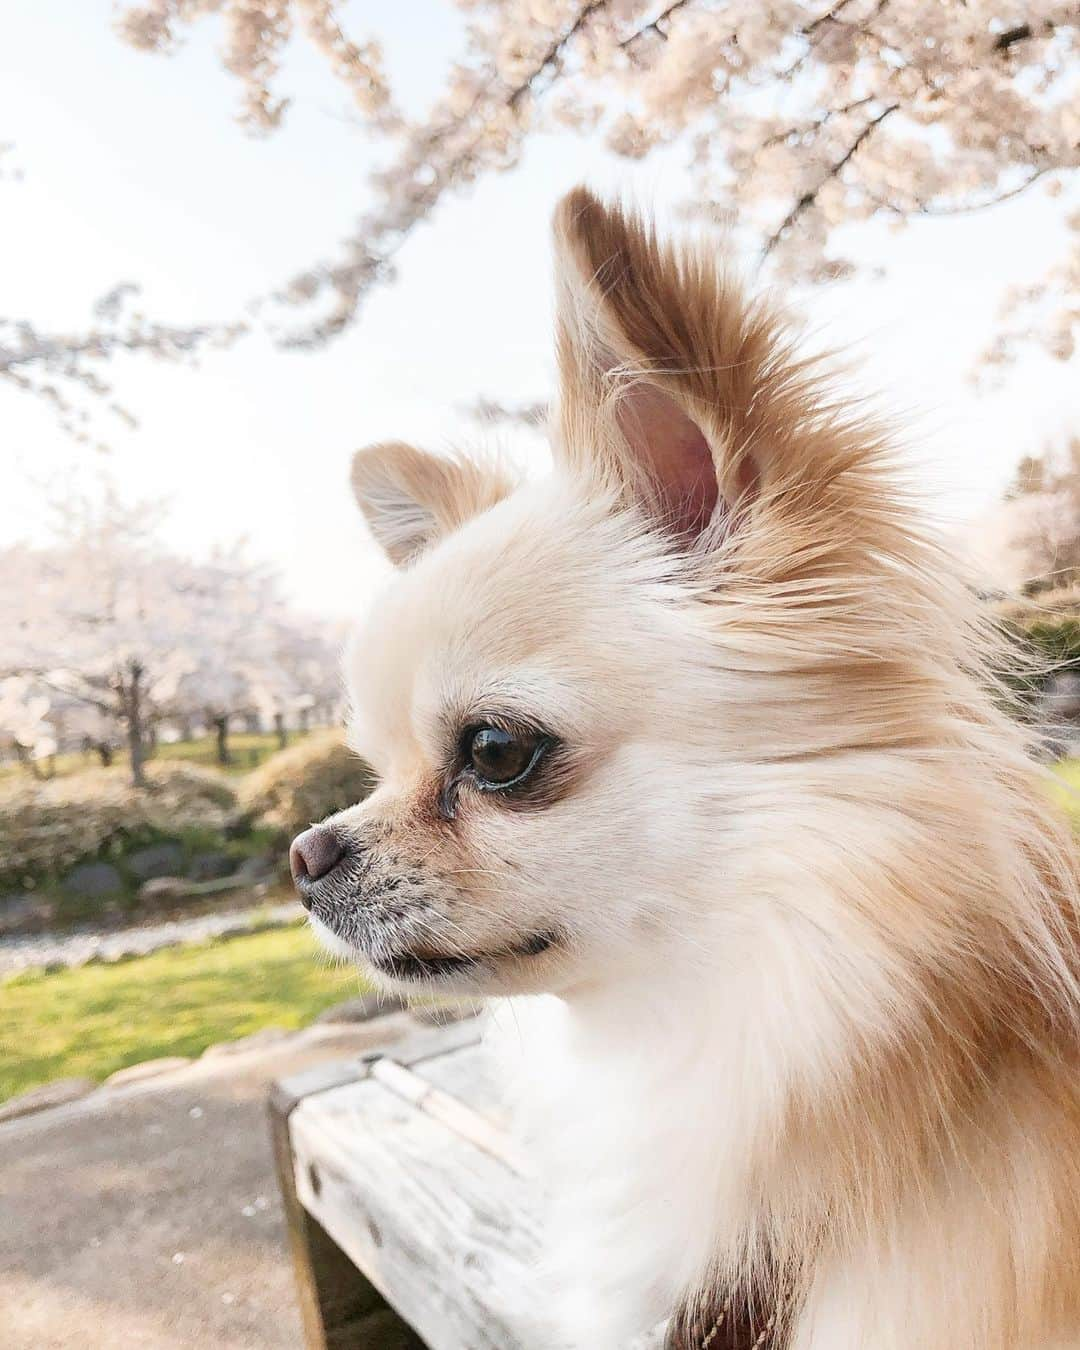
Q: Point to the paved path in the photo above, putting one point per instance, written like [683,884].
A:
[148,1216]
[76,948]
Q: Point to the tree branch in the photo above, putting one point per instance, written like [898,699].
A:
[553,55]
[807,200]
[963,208]
[1012,36]
[654,27]
[815,124]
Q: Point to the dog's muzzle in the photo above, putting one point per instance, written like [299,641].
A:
[313,855]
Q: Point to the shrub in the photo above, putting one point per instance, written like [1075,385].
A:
[305,783]
[1049,626]
[45,827]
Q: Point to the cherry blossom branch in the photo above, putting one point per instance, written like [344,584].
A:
[654,26]
[807,200]
[933,210]
[554,54]
[708,72]
[54,365]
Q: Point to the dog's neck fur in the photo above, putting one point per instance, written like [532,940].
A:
[822,1035]
[837,1105]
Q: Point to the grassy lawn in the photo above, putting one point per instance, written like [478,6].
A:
[90,1021]
[1068,770]
[248,750]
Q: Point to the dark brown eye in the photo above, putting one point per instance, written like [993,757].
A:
[499,758]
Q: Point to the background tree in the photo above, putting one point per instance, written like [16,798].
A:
[1044,517]
[796,117]
[104,634]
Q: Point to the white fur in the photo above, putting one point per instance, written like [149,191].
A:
[815,960]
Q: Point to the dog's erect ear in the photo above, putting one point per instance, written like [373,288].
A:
[658,354]
[410,498]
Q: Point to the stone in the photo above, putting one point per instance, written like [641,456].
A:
[161,889]
[22,912]
[149,1068]
[261,867]
[210,866]
[15,905]
[361,1009]
[157,860]
[90,881]
[58,1093]
[258,1040]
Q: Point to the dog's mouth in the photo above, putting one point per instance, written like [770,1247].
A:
[415,965]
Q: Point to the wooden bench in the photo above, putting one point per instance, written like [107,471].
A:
[411,1216]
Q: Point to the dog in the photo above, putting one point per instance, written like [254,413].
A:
[700,751]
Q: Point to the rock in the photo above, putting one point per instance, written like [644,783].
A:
[59,1093]
[157,860]
[22,912]
[259,868]
[361,1009]
[89,881]
[258,1040]
[149,1068]
[162,889]
[210,866]
[17,905]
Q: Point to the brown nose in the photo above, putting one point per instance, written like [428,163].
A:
[313,854]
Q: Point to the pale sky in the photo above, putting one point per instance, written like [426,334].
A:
[136,170]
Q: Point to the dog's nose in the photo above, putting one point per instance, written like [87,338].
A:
[313,855]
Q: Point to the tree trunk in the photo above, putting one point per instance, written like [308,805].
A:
[132,710]
[27,760]
[221,729]
[282,732]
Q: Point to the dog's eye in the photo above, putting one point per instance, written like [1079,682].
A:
[500,758]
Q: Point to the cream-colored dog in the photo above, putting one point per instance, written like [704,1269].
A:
[698,737]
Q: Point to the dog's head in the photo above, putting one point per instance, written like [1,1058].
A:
[576,692]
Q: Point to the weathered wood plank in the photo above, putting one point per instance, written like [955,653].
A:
[340,1309]
[443,1228]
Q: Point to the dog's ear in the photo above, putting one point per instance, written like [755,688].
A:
[411,498]
[658,356]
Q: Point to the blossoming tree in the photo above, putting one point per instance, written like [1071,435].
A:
[796,116]
[106,624]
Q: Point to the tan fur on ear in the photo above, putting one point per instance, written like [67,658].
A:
[633,314]
[411,498]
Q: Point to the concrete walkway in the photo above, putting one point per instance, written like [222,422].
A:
[148,1215]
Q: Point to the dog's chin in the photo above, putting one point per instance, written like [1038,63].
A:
[523,967]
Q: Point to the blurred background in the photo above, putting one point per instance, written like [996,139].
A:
[242,238]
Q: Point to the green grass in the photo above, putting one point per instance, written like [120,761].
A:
[1068,770]
[248,750]
[88,1022]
